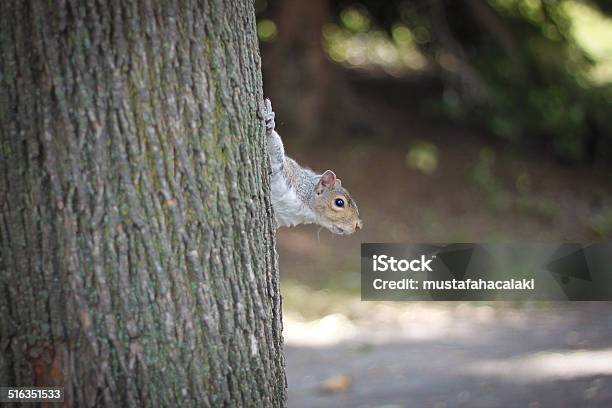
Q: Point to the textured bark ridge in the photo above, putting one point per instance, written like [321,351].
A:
[137,261]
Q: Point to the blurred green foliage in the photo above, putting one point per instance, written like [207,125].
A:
[482,176]
[355,42]
[529,71]
[423,156]
[556,99]
[266,30]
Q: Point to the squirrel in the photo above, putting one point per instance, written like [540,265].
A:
[300,196]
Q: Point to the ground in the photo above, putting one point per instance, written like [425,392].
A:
[454,355]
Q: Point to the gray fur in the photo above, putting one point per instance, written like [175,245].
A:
[293,190]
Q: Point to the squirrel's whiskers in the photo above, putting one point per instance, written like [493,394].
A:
[301,196]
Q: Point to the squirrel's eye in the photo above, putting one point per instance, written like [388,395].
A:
[339,202]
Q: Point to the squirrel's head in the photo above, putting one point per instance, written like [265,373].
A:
[336,209]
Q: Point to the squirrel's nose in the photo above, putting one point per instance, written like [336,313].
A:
[358,224]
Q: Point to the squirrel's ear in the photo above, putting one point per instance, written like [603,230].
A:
[327,181]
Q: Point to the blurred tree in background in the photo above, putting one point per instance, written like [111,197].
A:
[532,72]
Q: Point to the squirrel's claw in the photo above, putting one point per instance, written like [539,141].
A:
[269,116]
[268,105]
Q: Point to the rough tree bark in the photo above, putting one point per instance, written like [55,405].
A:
[136,237]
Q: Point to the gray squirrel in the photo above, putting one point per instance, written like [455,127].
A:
[300,196]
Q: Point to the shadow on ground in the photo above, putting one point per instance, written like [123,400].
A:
[454,355]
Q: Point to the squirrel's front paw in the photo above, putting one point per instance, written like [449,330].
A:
[269,116]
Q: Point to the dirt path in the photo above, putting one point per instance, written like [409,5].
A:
[454,355]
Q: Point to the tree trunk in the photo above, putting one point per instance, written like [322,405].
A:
[137,251]
[297,68]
